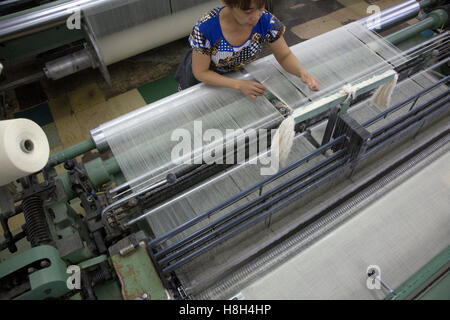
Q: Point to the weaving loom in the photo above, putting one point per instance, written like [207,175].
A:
[361,157]
[350,54]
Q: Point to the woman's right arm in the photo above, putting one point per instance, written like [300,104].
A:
[201,71]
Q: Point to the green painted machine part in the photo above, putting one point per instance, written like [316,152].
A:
[427,3]
[138,276]
[412,287]
[109,290]
[438,291]
[93,262]
[70,233]
[48,282]
[71,152]
[435,19]
[99,171]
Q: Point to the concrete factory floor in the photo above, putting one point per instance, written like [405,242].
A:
[68,108]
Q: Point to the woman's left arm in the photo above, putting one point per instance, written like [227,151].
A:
[290,63]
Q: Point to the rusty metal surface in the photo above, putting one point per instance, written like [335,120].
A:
[138,278]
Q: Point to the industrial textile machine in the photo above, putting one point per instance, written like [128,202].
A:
[360,210]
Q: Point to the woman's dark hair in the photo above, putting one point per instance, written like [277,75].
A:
[244,4]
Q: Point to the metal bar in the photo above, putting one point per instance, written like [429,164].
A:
[420,49]
[401,104]
[248,205]
[425,44]
[434,20]
[409,114]
[414,104]
[23,81]
[396,136]
[126,187]
[437,64]
[158,269]
[16,238]
[435,106]
[413,284]
[243,226]
[132,196]
[71,152]
[392,16]
[330,126]
[411,31]
[240,195]
[41,16]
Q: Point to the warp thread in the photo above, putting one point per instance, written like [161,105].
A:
[382,96]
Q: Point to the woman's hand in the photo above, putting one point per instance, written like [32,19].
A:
[311,82]
[251,89]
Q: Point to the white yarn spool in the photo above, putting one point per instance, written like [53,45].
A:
[24,149]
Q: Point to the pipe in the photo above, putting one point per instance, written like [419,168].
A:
[392,16]
[23,81]
[71,152]
[170,179]
[435,19]
[98,135]
[11,26]
[70,64]
[396,15]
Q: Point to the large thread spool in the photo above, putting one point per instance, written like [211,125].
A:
[36,225]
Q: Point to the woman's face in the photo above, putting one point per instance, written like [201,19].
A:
[248,17]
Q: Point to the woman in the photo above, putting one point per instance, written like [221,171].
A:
[228,38]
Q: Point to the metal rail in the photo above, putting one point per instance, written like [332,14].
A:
[399,105]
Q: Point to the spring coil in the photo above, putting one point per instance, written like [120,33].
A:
[35,222]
